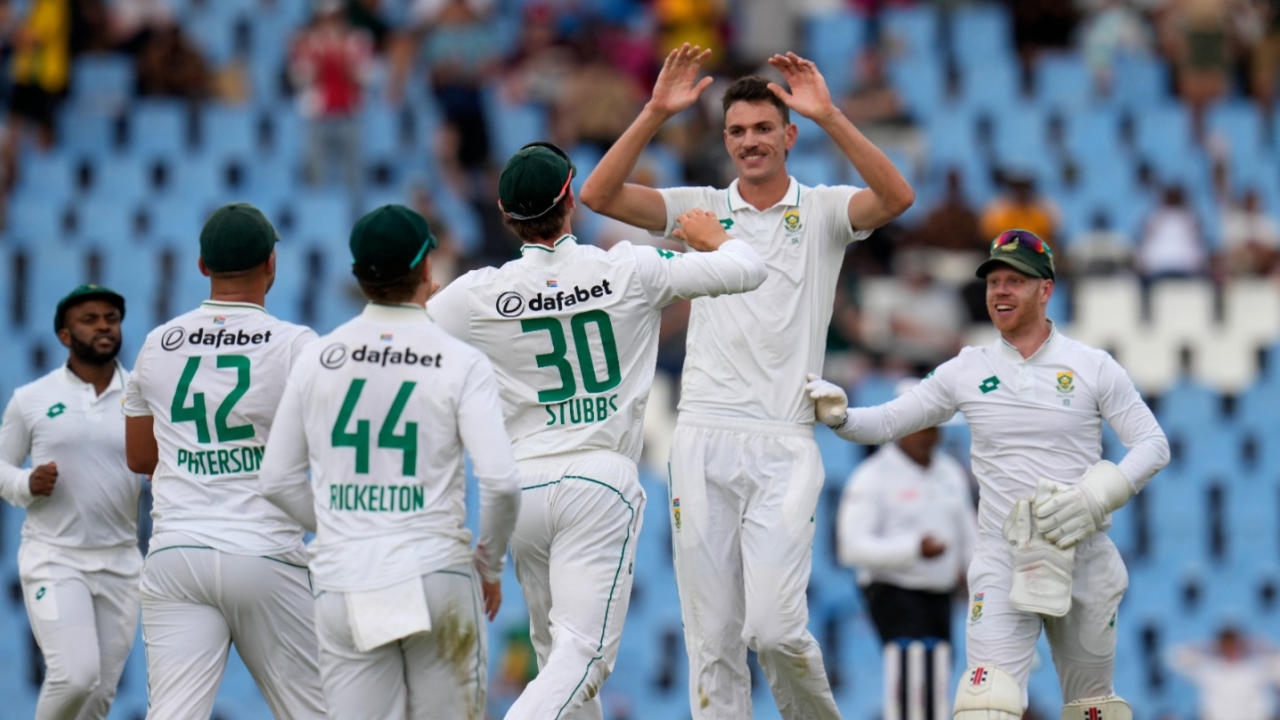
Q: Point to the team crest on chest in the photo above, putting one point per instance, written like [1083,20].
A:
[791,221]
[1066,382]
[975,612]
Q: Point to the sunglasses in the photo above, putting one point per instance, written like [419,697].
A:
[1023,238]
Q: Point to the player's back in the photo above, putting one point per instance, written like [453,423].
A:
[211,380]
[572,331]
[382,396]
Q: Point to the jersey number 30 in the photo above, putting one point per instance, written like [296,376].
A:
[406,442]
[591,382]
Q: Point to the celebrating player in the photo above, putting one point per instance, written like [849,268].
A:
[745,470]
[224,565]
[79,559]
[1035,401]
[573,332]
[376,409]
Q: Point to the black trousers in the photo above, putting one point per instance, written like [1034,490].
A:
[900,612]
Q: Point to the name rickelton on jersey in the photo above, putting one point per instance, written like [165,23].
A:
[239,460]
[561,407]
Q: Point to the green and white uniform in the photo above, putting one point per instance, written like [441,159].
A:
[745,470]
[79,559]
[381,410]
[225,564]
[572,331]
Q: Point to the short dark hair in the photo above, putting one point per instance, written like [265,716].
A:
[754,88]
[542,227]
[399,290]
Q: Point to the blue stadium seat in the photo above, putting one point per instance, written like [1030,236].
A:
[919,82]
[1162,129]
[48,174]
[323,218]
[105,221]
[1252,522]
[121,177]
[512,126]
[992,87]
[228,130]
[101,82]
[34,218]
[158,127]
[834,39]
[981,36]
[1093,133]
[1141,80]
[84,130]
[912,28]
[1062,80]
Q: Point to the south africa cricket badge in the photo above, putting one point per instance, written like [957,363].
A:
[975,613]
[675,512]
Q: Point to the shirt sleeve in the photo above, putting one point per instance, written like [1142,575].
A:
[680,199]
[667,276]
[833,203]
[283,477]
[449,309]
[966,517]
[300,342]
[1123,408]
[858,542]
[928,404]
[480,425]
[15,446]
[135,401]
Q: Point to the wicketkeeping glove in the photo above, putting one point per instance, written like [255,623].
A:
[830,403]
[1074,514]
[1042,571]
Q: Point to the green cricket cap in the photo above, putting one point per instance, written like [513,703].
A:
[1021,250]
[534,180]
[237,236]
[387,242]
[88,291]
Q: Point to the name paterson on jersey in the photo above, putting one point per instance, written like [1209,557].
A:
[239,460]
[576,410]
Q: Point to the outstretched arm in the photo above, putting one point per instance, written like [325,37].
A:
[887,194]
[606,190]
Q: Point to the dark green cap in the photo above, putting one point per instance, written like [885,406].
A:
[534,180]
[389,242]
[237,236]
[88,291]
[1021,250]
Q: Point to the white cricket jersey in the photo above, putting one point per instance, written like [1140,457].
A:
[211,380]
[63,419]
[572,331]
[1029,418]
[747,355]
[890,504]
[381,409]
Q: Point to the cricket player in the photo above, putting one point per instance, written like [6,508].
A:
[1035,401]
[79,560]
[573,333]
[224,564]
[380,410]
[745,469]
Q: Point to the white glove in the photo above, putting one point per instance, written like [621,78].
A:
[1042,572]
[1077,512]
[830,403]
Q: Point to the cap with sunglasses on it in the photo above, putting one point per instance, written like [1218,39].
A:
[534,180]
[1021,250]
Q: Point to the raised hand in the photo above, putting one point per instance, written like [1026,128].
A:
[678,86]
[700,229]
[808,93]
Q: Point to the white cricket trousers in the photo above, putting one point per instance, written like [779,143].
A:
[743,496]
[436,675]
[573,548]
[1083,641]
[83,608]
[196,601]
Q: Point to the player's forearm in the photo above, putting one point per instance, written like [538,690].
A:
[892,191]
[879,553]
[603,188]
[15,485]
[1145,458]
[499,507]
[735,267]
[889,421]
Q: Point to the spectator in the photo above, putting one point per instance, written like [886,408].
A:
[133,22]
[1250,238]
[1265,64]
[536,70]
[329,64]
[952,224]
[876,108]
[1020,207]
[40,69]
[168,65]
[366,15]
[597,101]
[1237,677]
[1111,28]
[1171,244]
[1194,36]
[1099,249]
[460,46]
[697,22]
[910,317]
